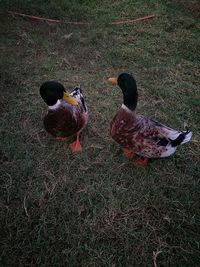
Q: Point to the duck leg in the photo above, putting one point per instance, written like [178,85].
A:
[140,161]
[137,160]
[76,146]
[128,153]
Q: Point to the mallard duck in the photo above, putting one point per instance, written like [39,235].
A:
[141,137]
[67,114]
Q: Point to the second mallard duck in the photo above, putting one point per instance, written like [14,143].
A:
[139,135]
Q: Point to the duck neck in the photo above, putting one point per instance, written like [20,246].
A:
[57,105]
[130,98]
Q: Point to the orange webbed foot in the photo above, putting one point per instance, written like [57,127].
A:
[141,162]
[128,153]
[76,146]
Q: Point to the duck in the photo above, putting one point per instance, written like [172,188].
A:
[67,113]
[140,137]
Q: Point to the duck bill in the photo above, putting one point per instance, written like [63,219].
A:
[69,99]
[112,80]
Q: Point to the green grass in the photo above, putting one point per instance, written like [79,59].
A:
[96,208]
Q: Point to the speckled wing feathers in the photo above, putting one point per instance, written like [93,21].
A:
[144,136]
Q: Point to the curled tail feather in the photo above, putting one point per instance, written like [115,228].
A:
[183,138]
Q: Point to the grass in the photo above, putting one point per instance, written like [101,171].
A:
[96,208]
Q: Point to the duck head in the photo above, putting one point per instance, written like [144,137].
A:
[129,89]
[52,91]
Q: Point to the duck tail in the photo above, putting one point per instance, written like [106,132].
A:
[182,138]
[77,93]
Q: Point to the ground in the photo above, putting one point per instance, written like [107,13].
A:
[96,208]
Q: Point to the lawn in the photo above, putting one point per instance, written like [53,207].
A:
[96,208]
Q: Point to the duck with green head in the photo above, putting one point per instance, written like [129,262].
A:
[67,114]
[141,137]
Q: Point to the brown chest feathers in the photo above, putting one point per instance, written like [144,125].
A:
[64,121]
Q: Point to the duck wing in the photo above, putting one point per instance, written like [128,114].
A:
[158,139]
[174,137]
[77,93]
[146,136]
